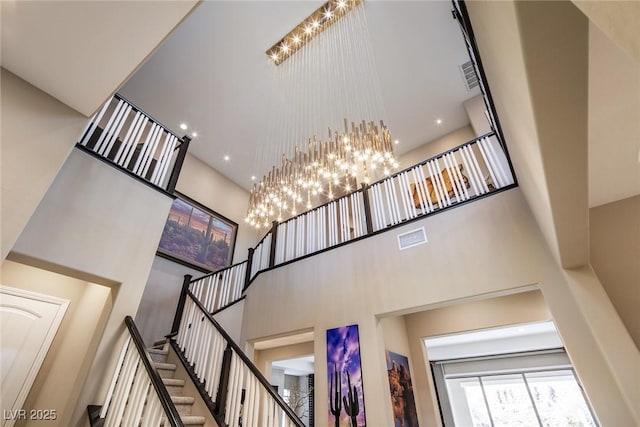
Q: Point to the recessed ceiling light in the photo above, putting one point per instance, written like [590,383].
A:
[253,177]
[183,126]
[227,158]
[438,121]
[194,134]
[396,142]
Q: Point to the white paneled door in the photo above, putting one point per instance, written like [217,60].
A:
[28,324]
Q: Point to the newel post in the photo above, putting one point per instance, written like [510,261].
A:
[223,387]
[367,208]
[274,237]
[177,166]
[247,276]
[183,297]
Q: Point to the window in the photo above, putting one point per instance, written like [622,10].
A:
[513,390]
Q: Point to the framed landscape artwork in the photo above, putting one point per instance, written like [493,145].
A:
[344,375]
[197,236]
[401,389]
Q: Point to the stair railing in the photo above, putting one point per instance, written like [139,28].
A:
[136,395]
[234,389]
[232,386]
[472,170]
[221,288]
[128,138]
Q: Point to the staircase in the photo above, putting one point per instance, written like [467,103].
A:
[175,386]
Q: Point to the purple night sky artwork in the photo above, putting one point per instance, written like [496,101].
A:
[344,376]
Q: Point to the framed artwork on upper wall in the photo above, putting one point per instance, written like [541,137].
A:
[198,237]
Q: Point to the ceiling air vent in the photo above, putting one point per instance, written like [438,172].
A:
[469,75]
[412,238]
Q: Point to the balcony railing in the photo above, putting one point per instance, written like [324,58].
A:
[123,135]
[467,172]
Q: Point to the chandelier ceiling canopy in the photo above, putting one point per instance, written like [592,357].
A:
[325,133]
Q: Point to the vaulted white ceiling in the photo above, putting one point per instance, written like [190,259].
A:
[212,73]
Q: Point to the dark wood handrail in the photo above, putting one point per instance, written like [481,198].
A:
[218,271]
[156,121]
[363,189]
[231,343]
[163,395]
[437,156]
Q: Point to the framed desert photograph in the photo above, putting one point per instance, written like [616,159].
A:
[197,236]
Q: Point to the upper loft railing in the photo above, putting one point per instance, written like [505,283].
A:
[470,171]
[125,136]
[230,384]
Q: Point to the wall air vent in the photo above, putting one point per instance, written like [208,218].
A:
[412,238]
[469,75]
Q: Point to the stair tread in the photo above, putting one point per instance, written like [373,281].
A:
[163,365]
[193,420]
[160,342]
[173,382]
[158,351]
[183,400]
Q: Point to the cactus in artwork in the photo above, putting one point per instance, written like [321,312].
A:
[335,393]
[351,405]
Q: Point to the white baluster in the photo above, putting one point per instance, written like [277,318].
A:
[94,123]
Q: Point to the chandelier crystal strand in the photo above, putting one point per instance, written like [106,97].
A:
[320,87]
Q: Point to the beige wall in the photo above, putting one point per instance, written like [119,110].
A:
[439,146]
[538,78]
[37,133]
[614,128]
[615,250]
[231,320]
[463,316]
[205,185]
[61,377]
[96,223]
[488,246]
[477,112]
[394,331]
[157,308]
[618,19]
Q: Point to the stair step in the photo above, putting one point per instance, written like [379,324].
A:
[173,382]
[193,420]
[182,400]
[158,354]
[183,404]
[174,386]
[160,343]
[165,370]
